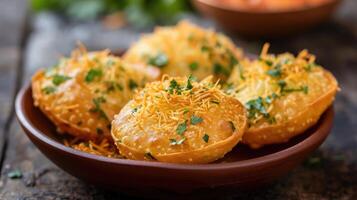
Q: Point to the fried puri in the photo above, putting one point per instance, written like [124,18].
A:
[186,49]
[82,93]
[284,95]
[179,120]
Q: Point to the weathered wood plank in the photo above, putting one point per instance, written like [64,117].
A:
[12,28]
[12,15]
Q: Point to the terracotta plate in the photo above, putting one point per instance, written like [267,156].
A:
[241,168]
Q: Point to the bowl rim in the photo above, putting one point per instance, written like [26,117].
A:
[221,6]
[313,139]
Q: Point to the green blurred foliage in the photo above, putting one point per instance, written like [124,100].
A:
[139,13]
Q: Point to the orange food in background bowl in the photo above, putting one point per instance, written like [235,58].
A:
[272,5]
[267,18]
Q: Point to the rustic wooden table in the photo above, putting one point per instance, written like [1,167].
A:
[28,43]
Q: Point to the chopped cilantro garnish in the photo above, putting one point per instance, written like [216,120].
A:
[97,108]
[268,99]
[174,86]
[274,72]
[92,74]
[59,79]
[149,156]
[48,89]
[181,128]
[204,48]
[185,110]
[195,120]
[160,60]
[305,89]
[282,84]
[15,174]
[193,66]
[267,62]
[232,126]
[233,60]
[177,142]
[205,138]
[132,84]
[255,107]
[274,95]
[189,82]
[219,69]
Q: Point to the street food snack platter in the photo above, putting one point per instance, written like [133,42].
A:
[193,103]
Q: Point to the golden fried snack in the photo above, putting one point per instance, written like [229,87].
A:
[178,120]
[186,49]
[284,95]
[82,93]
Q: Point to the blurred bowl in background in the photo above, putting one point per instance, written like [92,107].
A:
[269,23]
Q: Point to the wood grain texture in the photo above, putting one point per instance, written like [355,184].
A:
[12,29]
[331,173]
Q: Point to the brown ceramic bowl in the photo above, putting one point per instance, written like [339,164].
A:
[241,168]
[266,24]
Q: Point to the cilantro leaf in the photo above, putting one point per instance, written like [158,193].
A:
[274,72]
[189,85]
[255,107]
[282,84]
[132,84]
[205,138]
[59,79]
[195,120]
[193,66]
[97,107]
[219,69]
[92,74]
[48,89]
[204,48]
[174,86]
[160,60]
[181,128]
[267,62]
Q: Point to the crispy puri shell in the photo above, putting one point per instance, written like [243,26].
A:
[306,117]
[135,143]
[69,106]
[189,50]
[312,91]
